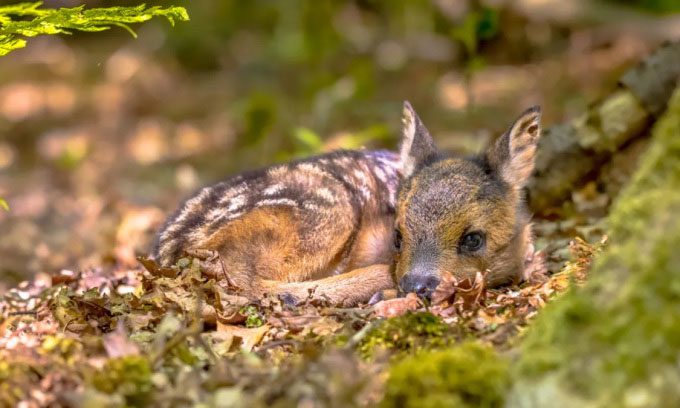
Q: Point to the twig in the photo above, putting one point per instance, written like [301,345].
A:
[275,343]
[361,334]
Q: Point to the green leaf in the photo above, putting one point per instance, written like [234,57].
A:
[14,25]
[308,138]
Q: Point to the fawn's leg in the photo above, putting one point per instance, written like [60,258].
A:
[347,289]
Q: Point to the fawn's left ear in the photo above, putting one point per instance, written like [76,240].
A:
[514,153]
[417,146]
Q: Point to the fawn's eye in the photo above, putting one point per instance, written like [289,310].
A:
[472,241]
[397,239]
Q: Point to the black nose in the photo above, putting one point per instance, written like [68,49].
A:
[421,285]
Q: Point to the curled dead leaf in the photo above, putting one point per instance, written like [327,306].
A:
[467,291]
[397,307]
[64,276]
[155,269]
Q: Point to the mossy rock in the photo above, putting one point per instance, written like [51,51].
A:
[468,375]
[616,341]
[407,334]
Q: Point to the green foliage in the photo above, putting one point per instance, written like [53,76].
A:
[468,375]
[29,20]
[254,318]
[616,340]
[478,25]
[657,6]
[407,333]
[129,376]
[259,117]
[307,141]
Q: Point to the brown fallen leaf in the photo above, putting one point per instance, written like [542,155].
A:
[117,343]
[64,276]
[231,317]
[446,290]
[470,291]
[397,307]
[323,327]
[294,324]
[467,291]
[244,338]
[229,308]
[155,269]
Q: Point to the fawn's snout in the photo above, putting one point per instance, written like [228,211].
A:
[421,281]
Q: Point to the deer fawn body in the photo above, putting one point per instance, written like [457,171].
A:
[349,224]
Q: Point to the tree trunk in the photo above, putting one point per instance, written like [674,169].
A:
[569,153]
[616,341]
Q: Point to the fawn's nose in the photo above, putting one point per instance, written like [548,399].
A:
[421,285]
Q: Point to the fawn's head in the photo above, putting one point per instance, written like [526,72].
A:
[463,215]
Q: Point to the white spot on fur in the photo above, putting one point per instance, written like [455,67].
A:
[311,206]
[236,203]
[215,214]
[233,192]
[362,183]
[189,207]
[276,201]
[361,176]
[273,189]
[219,217]
[277,171]
[343,161]
[326,195]
[311,168]
[380,174]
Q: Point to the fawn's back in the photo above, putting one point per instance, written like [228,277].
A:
[292,222]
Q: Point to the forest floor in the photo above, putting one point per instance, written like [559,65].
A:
[134,335]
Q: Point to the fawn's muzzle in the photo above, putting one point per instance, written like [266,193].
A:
[422,285]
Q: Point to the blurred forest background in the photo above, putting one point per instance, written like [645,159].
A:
[102,134]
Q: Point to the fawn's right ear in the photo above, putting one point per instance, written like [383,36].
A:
[514,153]
[417,145]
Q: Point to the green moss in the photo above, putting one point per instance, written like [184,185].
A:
[616,341]
[407,333]
[129,376]
[16,379]
[68,349]
[468,375]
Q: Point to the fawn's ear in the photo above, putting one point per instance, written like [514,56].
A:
[513,154]
[417,145]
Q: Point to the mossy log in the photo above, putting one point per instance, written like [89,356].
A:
[467,375]
[616,341]
[568,153]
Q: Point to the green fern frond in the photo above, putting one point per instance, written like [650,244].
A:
[13,23]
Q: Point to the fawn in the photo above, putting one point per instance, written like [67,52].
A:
[349,224]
